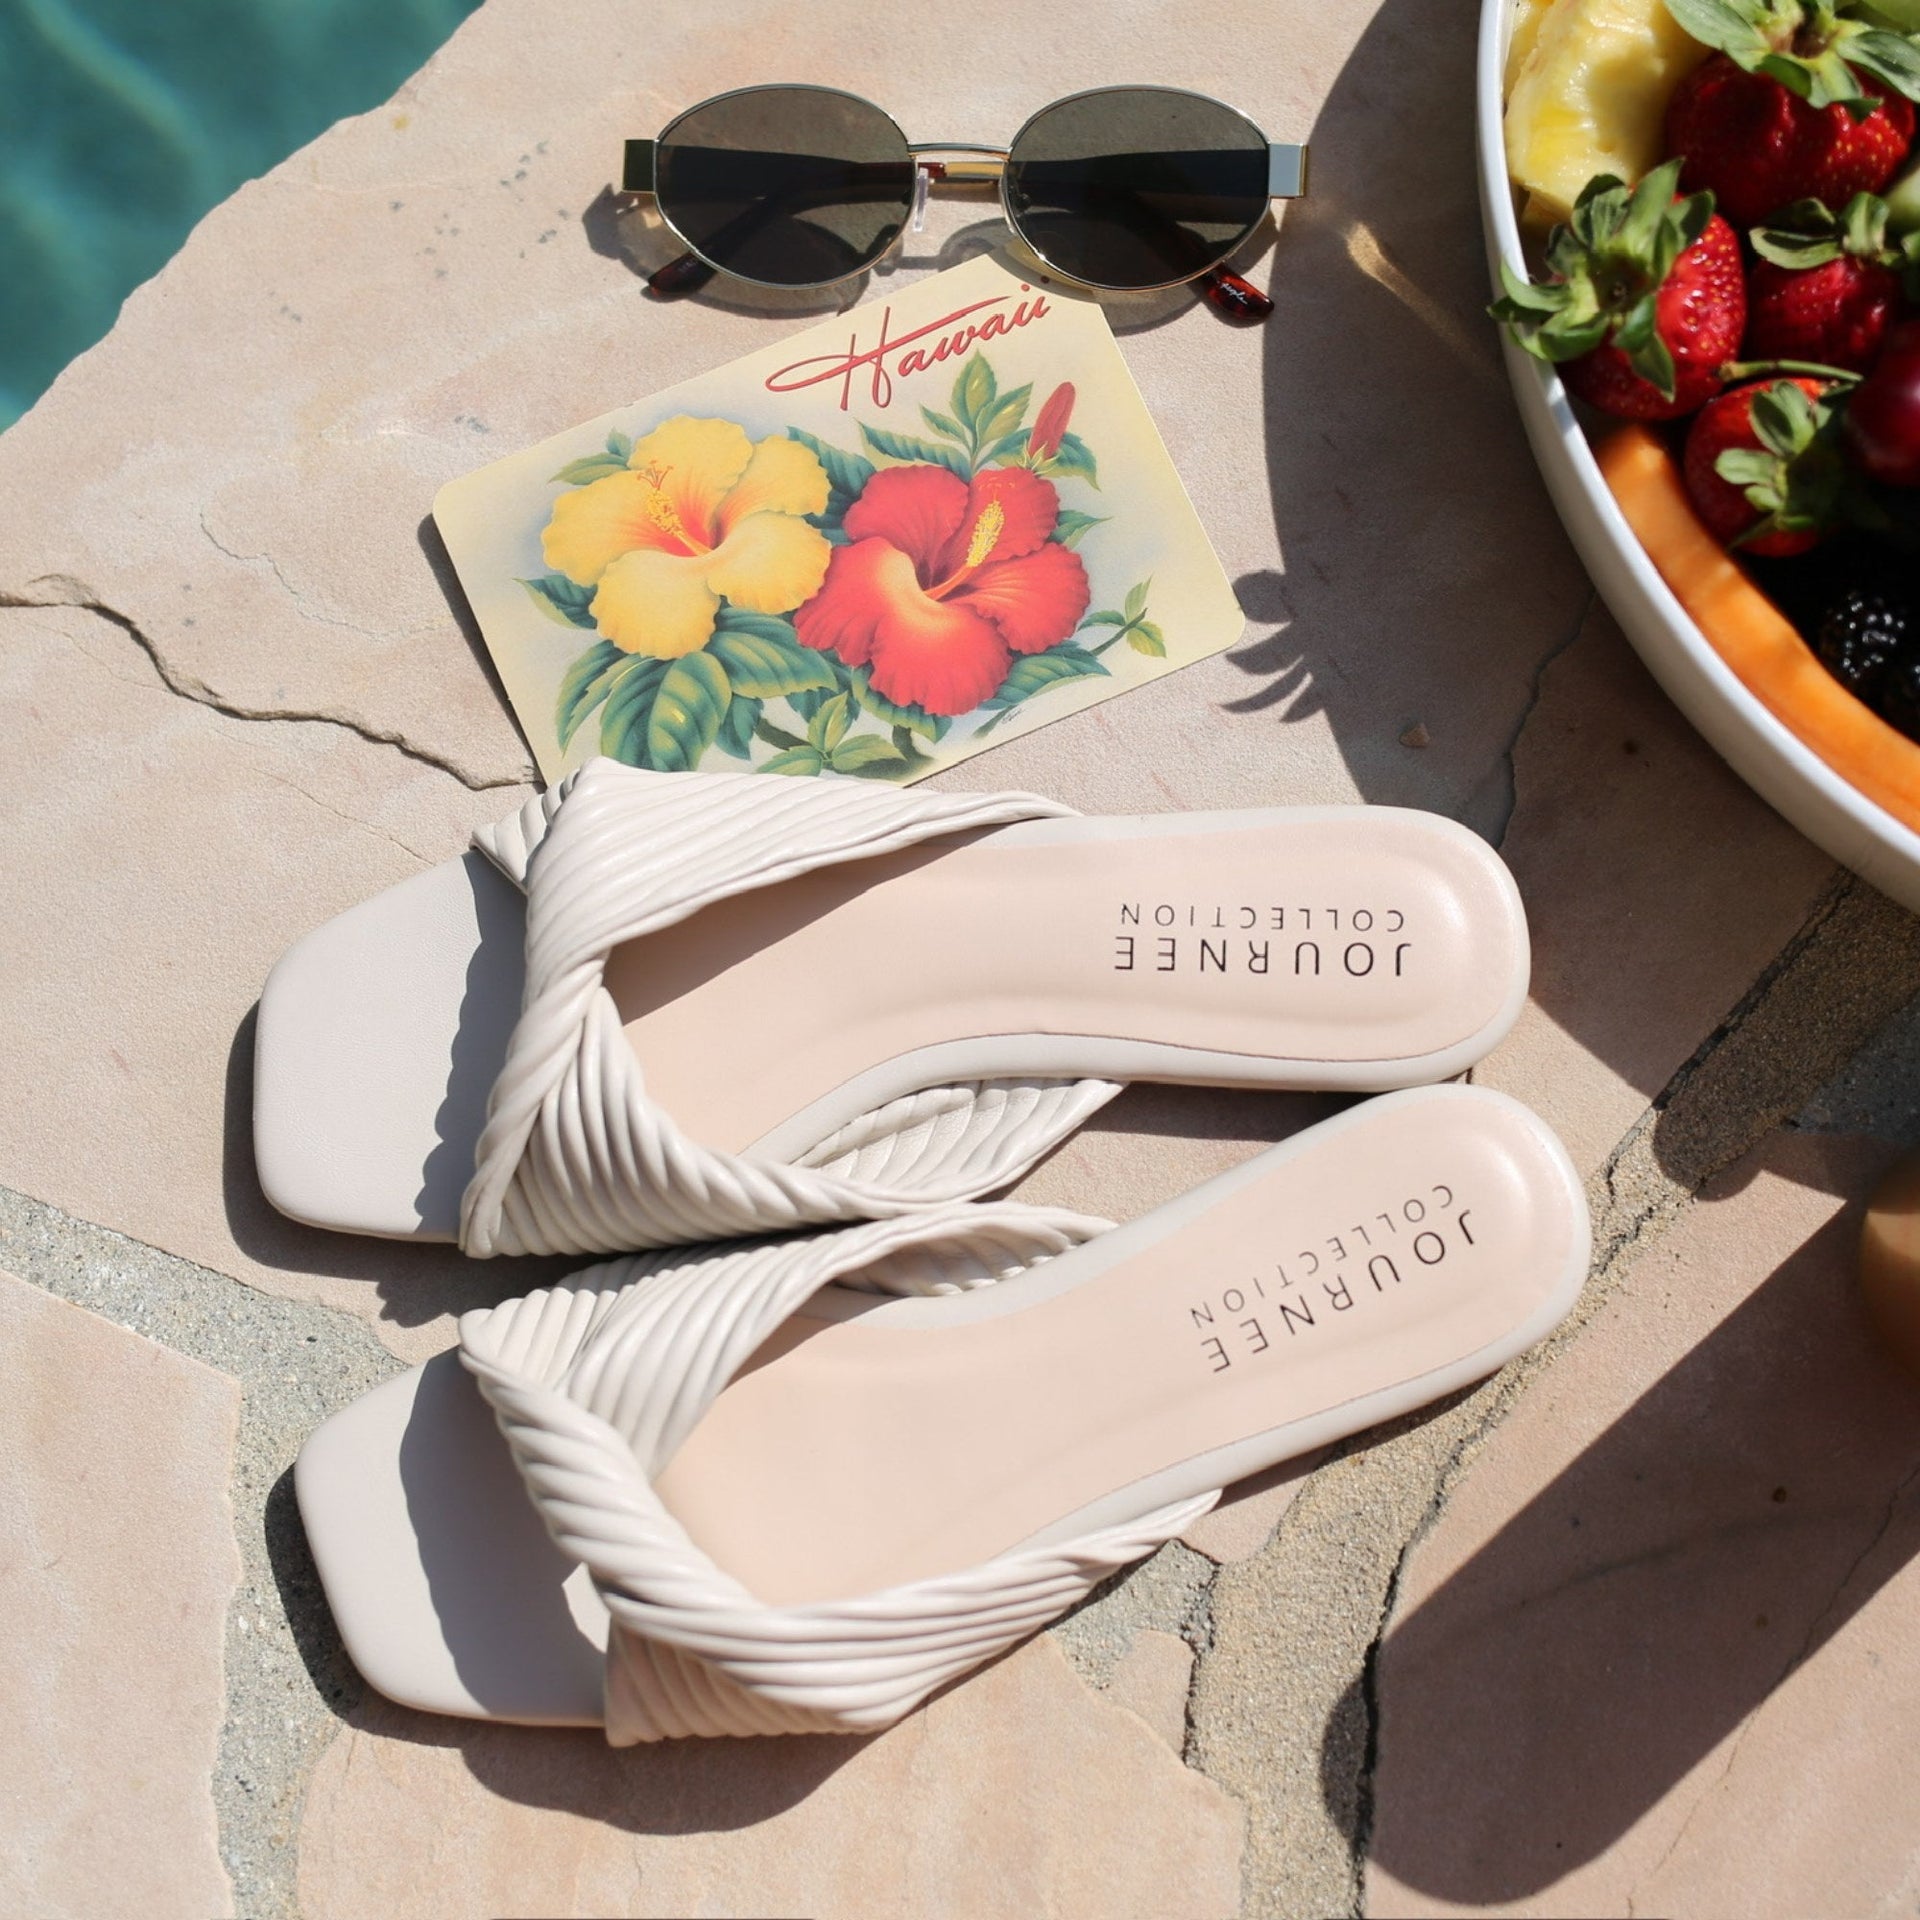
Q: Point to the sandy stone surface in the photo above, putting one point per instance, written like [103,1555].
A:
[117,1561]
[242,694]
[1657,888]
[257,547]
[1020,1793]
[1660,1653]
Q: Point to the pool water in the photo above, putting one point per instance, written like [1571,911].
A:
[123,121]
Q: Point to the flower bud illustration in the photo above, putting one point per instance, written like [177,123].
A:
[1050,425]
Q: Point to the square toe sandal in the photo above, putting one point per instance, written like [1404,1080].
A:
[797,1485]
[655,1009]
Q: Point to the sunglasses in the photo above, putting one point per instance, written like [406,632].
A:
[1124,189]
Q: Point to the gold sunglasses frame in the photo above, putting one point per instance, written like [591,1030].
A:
[972,165]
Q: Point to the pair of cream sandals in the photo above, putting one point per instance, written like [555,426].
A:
[848,1431]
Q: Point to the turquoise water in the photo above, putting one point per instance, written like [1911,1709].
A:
[123,121]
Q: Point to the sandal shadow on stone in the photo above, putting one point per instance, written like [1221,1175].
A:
[798,1485]
[657,1009]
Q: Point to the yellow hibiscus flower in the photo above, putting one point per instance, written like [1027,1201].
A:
[702,512]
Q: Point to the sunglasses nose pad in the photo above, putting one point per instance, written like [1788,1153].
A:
[1238,299]
[922,180]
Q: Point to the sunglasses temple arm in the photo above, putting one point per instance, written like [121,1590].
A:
[1229,294]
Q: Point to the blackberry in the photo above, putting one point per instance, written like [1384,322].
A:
[1865,631]
[1899,701]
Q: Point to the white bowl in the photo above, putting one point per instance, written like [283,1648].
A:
[1784,772]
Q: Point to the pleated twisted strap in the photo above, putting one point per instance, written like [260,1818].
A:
[575,1156]
[597,1383]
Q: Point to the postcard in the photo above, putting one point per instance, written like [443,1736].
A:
[874,548]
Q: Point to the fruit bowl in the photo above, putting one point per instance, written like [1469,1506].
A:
[1779,767]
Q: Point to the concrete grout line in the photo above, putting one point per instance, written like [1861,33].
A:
[288,1679]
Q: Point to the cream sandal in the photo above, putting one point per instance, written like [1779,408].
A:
[850,1000]
[798,1485]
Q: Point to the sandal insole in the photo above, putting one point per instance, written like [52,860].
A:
[1339,938]
[1369,1265]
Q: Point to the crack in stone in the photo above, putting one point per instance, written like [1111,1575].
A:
[1534,690]
[352,819]
[293,593]
[1641,1190]
[186,686]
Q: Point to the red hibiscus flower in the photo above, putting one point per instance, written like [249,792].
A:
[944,582]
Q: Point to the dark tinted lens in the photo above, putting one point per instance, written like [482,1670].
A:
[1136,186]
[798,186]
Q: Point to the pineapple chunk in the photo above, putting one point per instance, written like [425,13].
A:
[1588,94]
[1527,15]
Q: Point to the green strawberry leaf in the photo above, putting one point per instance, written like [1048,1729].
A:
[801,759]
[945,426]
[584,685]
[1785,418]
[1804,234]
[560,599]
[1147,638]
[1898,16]
[1892,57]
[687,712]
[1753,471]
[1725,24]
[1135,604]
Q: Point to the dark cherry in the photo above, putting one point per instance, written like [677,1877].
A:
[1883,412]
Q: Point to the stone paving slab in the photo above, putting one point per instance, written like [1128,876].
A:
[1019,1793]
[242,695]
[117,1560]
[1659,1653]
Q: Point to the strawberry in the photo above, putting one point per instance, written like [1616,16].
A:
[1801,102]
[1762,467]
[1827,287]
[1643,300]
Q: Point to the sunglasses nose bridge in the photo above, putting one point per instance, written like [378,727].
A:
[959,161]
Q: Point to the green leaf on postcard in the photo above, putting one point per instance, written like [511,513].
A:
[903,446]
[687,712]
[560,599]
[765,660]
[584,685]
[1036,672]
[623,720]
